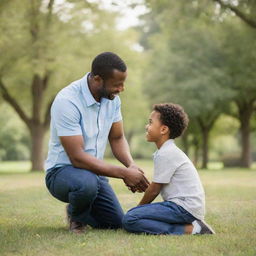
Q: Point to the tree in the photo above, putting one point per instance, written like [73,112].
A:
[244,9]
[188,70]
[224,48]
[240,57]
[36,25]
[14,138]
[47,45]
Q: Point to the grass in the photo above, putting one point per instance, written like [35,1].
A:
[33,223]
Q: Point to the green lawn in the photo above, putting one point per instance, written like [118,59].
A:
[33,223]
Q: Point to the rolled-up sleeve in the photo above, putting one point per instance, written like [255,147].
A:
[66,118]
[118,114]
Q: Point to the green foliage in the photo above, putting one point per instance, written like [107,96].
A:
[14,139]
[189,66]
[239,60]
[225,134]
[56,43]
[199,59]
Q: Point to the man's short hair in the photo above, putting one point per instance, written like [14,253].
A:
[173,116]
[104,64]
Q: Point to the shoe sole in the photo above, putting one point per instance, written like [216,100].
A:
[208,227]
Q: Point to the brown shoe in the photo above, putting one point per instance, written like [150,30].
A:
[77,227]
[74,226]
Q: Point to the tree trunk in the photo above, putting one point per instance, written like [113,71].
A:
[206,126]
[37,153]
[196,151]
[205,144]
[37,124]
[245,116]
[129,136]
[196,155]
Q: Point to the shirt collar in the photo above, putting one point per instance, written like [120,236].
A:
[165,145]
[89,99]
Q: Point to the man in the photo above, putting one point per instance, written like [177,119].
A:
[84,116]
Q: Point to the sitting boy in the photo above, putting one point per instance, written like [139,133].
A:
[175,176]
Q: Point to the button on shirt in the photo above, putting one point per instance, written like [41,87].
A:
[76,112]
[181,181]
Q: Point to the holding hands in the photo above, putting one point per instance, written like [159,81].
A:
[135,180]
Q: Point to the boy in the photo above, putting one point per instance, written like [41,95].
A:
[175,177]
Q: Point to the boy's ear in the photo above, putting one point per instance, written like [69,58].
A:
[164,129]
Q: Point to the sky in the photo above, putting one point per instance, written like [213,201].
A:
[129,15]
[129,10]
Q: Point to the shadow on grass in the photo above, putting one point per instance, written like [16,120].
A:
[52,232]
[37,230]
[46,229]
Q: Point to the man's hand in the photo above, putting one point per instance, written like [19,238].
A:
[136,188]
[135,179]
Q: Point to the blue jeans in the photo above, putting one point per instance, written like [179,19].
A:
[91,199]
[157,218]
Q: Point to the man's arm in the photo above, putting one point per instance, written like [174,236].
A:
[74,146]
[119,145]
[121,150]
[151,193]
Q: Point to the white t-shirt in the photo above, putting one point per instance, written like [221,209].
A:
[181,181]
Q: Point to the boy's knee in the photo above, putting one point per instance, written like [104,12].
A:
[128,221]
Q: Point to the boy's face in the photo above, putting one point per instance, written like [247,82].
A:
[154,127]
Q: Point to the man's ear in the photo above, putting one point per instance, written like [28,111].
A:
[165,130]
[97,79]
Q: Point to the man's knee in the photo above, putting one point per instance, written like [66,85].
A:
[87,187]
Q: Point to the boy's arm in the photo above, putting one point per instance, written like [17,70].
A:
[151,193]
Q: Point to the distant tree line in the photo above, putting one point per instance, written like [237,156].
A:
[200,54]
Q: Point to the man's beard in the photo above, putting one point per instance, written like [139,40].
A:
[106,94]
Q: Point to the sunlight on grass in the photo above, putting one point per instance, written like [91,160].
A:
[15,166]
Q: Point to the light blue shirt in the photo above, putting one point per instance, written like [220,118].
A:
[76,112]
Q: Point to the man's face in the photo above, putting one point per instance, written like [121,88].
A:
[153,128]
[111,87]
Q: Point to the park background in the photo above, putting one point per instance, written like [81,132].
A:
[199,53]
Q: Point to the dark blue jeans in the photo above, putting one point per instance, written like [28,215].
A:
[91,199]
[157,218]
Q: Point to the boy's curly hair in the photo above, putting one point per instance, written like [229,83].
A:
[173,116]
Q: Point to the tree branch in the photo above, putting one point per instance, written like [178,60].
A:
[213,120]
[238,13]
[34,24]
[8,98]
[46,79]
[37,96]
[47,114]
[50,5]
[49,16]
